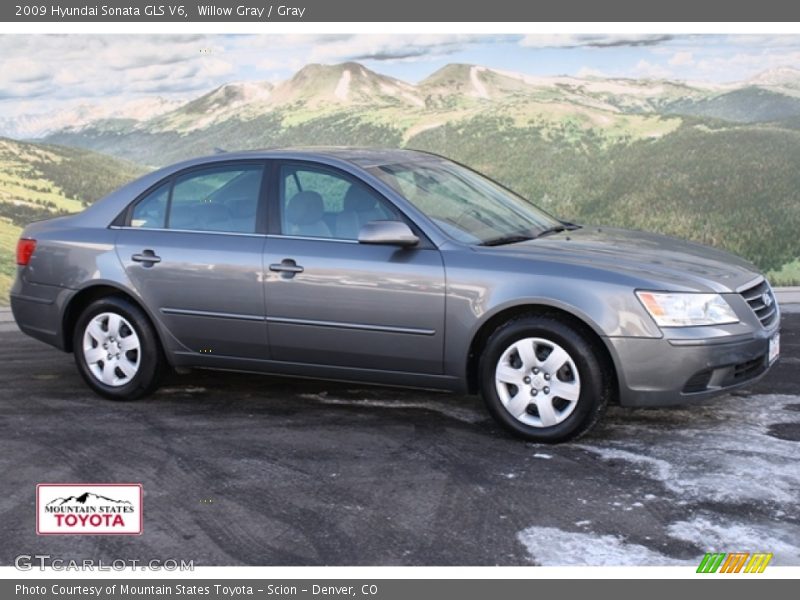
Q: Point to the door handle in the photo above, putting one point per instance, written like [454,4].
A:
[287,266]
[148,257]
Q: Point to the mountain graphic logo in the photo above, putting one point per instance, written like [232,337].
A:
[86,499]
[89,508]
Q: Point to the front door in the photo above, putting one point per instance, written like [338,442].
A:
[333,301]
[191,249]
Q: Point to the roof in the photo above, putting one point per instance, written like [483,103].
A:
[363,157]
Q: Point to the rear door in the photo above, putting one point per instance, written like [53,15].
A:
[193,248]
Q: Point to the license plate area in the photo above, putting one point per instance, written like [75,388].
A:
[774,347]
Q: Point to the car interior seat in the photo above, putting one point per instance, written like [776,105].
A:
[243,214]
[359,207]
[304,215]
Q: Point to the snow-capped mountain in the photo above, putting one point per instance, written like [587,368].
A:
[38,125]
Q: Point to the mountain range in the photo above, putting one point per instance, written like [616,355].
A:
[452,92]
[86,499]
[716,163]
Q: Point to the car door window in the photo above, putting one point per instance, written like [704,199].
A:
[216,199]
[151,211]
[318,202]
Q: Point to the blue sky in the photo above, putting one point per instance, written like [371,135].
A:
[42,73]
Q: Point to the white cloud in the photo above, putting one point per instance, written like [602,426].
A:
[585,72]
[573,40]
[64,68]
[274,63]
[682,58]
[768,41]
[648,70]
[746,64]
[22,69]
[394,47]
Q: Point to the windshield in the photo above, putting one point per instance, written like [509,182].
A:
[465,205]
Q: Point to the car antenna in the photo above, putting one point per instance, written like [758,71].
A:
[220,151]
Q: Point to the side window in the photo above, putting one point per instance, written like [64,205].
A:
[151,211]
[217,199]
[324,203]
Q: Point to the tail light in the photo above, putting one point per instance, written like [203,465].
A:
[25,248]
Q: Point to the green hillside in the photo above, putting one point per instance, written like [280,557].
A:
[9,234]
[748,105]
[38,181]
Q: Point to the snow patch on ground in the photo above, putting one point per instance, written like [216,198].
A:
[477,85]
[730,536]
[550,546]
[660,469]
[718,453]
[343,86]
[462,414]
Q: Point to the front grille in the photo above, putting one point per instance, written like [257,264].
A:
[748,370]
[762,301]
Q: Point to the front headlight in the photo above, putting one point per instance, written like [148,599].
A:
[686,310]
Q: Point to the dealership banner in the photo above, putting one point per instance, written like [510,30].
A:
[377,589]
[253,11]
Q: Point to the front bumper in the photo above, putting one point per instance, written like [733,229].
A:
[664,372]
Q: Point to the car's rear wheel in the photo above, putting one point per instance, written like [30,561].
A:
[116,349]
[542,379]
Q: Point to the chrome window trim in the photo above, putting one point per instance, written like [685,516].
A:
[311,238]
[237,233]
[262,235]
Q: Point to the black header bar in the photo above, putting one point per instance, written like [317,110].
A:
[317,11]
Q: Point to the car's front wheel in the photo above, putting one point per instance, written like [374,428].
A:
[542,379]
[116,349]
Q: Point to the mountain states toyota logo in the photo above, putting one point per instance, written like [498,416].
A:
[89,509]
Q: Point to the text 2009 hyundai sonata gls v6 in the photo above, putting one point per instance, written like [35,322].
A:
[391,267]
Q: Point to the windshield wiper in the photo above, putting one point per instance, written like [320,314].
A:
[508,239]
[514,238]
[557,229]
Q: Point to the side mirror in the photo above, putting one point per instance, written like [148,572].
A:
[389,233]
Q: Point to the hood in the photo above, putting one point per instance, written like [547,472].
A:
[658,261]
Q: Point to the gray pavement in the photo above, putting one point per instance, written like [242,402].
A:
[241,469]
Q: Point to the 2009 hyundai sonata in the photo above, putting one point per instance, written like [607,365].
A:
[392,267]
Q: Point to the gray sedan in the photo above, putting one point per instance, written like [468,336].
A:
[389,267]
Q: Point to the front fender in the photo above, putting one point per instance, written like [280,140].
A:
[481,287]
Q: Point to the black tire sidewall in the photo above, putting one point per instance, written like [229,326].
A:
[594,394]
[151,361]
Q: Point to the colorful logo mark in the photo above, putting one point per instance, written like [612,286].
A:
[734,562]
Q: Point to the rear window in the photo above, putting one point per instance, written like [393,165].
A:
[213,199]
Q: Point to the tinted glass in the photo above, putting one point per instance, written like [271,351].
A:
[217,199]
[324,203]
[463,203]
[151,211]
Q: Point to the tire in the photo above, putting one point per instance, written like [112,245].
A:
[136,360]
[541,379]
